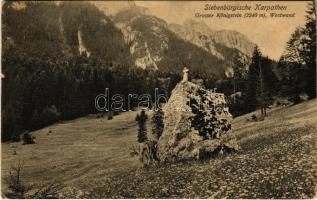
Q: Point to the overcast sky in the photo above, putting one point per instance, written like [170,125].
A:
[270,34]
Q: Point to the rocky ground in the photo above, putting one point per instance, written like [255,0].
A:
[277,160]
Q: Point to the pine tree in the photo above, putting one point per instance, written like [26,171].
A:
[293,66]
[250,95]
[308,50]
[258,93]
[298,62]
[239,73]
[158,123]
[142,132]
[238,82]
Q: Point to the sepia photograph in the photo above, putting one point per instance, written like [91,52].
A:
[153,99]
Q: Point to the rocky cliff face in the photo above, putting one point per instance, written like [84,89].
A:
[139,30]
[155,44]
[234,39]
[132,37]
[196,124]
[197,33]
[201,35]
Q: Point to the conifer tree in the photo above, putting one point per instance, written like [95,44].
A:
[142,132]
[252,81]
[308,50]
[238,82]
[239,73]
[158,124]
[258,92]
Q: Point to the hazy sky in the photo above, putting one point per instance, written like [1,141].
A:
[270,34]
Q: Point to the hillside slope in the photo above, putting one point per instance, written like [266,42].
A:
[62,30]
[132,37]
[154,46]
[277,159]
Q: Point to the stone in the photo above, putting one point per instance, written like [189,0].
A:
[196,124]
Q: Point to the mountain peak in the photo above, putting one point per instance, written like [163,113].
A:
[234,39]
[131,13]
[199,33]
[198,26]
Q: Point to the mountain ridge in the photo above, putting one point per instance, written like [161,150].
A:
[132,37]
[200,34]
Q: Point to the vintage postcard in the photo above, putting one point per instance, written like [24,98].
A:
[158,99]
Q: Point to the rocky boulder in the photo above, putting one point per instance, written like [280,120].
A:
[196,124]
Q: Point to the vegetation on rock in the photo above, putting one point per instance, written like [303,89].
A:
[195,123]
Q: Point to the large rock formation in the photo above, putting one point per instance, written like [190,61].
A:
[199,33]
[196,124]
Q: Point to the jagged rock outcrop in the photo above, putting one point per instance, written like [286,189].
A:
[234,39]
[196,124]
[197,33]
[155,45]
[132,24]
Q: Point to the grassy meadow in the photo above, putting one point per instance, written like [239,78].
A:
[278,159]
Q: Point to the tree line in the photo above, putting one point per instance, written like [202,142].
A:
[257,83]
[38,91]
[298,62]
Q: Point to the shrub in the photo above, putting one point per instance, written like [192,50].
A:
[227,144]
[100,115]
[115,113]
[255,118]
[19,189]
[28,138]
[51,115]
[137,117]
[45,117]
[146,152]
[211,121]
[16,138]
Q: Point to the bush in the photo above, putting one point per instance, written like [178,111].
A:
[115,113]
[137,117]
[51,114]
[28,138]
[100,115]
[44,118]
[16,138]
[146,152]
[19,189]
[255,118]
[227,144]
